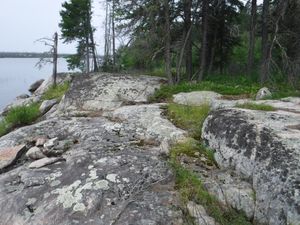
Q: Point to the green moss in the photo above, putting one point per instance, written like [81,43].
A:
[255,106]
[56,92]
[191,188]
[190,118]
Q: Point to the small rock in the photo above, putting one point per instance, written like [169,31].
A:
[200,215]
[51,143]
[47,105]
[35,153]
[164,147]
[43,162]
[41,141]
[33,87]
[9,155]
[23,96]
[263,93]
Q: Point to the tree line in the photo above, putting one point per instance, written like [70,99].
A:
[190,39]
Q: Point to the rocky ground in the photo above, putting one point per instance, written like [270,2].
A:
[98,157]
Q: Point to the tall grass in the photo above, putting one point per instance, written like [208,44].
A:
[56,92]
[19,116]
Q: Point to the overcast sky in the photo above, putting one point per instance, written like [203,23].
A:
[24,21]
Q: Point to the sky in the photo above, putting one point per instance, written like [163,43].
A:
[22,22]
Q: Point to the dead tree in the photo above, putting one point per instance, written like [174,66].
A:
[45,59]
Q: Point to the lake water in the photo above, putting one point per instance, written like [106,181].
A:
[17,74]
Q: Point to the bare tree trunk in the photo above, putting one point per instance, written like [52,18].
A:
[205,9]
[187,31]
[264,73]
[168,42]
[93,45]
[252,38]
[113,33]
[87,55]
[55,45]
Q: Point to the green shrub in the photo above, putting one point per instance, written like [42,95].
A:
[22,115]
[255,106]
[190,118]
[56,92]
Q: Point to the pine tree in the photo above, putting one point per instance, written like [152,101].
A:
[76,25]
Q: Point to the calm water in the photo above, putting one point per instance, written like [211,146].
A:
[16,75]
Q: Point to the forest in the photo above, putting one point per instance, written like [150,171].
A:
[191,40]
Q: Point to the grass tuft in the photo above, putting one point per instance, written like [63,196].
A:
[255,106]
[19,116]
[56,92]
[190,118]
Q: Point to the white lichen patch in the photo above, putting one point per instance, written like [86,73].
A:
[112,178]
[54,176]
[101,185]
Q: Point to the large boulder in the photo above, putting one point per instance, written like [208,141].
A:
[104,92]
[33,87]
[109,176]
[262,148]
[263,93]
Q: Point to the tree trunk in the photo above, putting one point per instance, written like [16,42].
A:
[188,37]
[93,46]
[55,58]
[113,33]
[252,38]
[264,73]
[203,61]
[168,42]
[87,55]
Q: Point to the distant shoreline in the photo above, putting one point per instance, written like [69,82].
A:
[29,55]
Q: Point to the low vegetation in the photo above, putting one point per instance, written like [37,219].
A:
[19,116]
[225,85]
[255,106]
[188,184]
[191,188]
[189,118]
[56,92]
